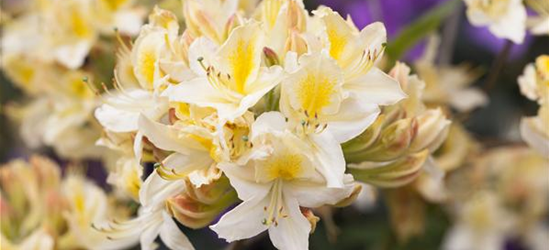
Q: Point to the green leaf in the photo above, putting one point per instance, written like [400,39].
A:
[419,29]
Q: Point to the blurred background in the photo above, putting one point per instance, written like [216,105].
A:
[369,227]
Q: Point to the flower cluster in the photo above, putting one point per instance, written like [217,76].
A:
[40,209]
[510,199]
[44,51]
[249,118]
[258,102]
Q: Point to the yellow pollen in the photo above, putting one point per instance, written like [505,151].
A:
[314,93]
[242,62]
[286,167]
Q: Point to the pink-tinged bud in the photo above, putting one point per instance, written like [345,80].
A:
[231,24]
[198,207]
[18,184]
[6,215]
[271,58]
[47,172]
[199,23]
[55,207]
[297,17]
[393,142]
[394,174]
[354,148]
[296,43]
[311,217]
[433,129]
[400,72]
[164,19]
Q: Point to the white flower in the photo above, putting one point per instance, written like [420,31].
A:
[504,18]
[278,178]
[121,111]
[64,31]
[448,84]
[337,86]
[193,148]
[535,132]
[126,176]
[88,205]
[539,25]
[534,84]
[482,224]
[232,79]
[210,18]
[40,239]
[153,219]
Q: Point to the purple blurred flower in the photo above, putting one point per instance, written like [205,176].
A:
[395,14]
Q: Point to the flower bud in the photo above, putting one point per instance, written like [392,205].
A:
[393,142]
[400,72]
[297,16]
[198,207]
[47,172]
[232,23]
[364,140]
[296,43]
[271,58]
[433,128]
[393,174]
[165,20]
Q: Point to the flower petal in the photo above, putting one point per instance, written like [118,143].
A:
[354,117]
[244,221]
[313,195]
[172,236]
[162,136]
[329,156]
[293,231]
[376,87]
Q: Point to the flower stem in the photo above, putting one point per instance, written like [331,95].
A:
[497,66]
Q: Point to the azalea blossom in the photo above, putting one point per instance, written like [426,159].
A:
[538,25]
[232,78]
[482,224]
[448,85]
[534,84]
[152,221]
[505,18]
[52,212]
[65,31]
[276,178]
[335,87]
